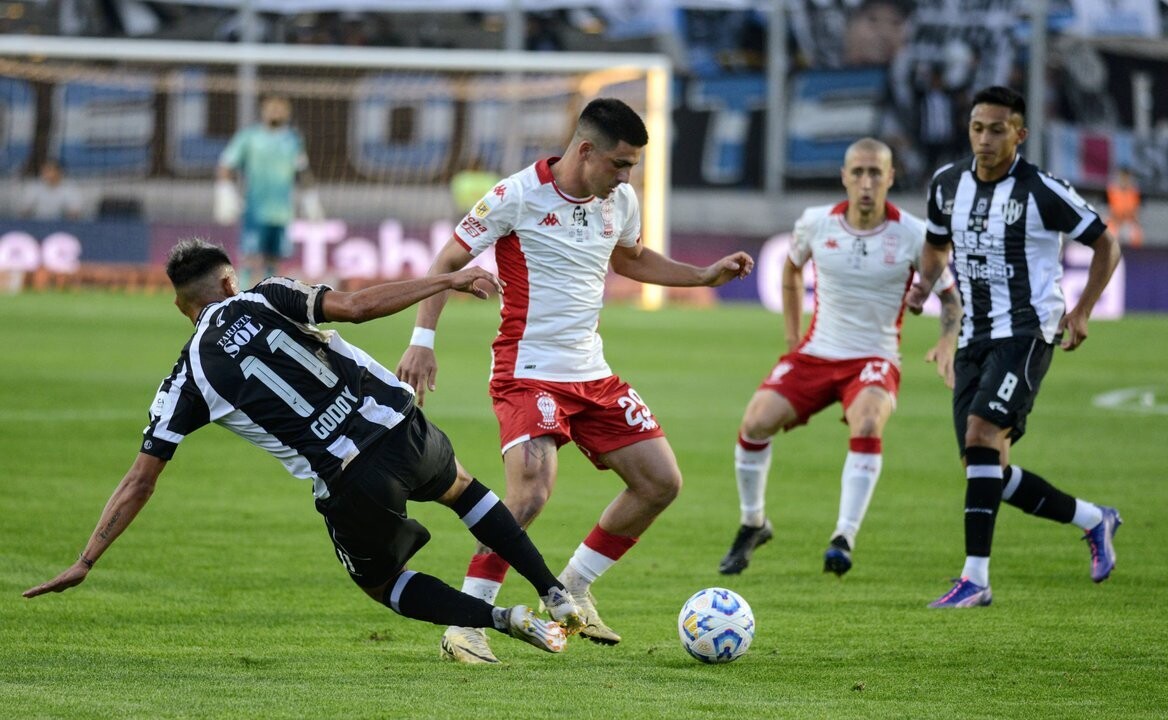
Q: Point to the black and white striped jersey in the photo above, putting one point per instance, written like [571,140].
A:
[1007,241]
[258,365]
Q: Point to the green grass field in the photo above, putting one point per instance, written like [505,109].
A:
[224,600]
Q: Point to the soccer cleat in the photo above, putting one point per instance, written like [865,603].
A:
[524,624]
[965,594]
[563,609]
[1102,549]
[838,557]
[467,645]
[745,542]
[594,628]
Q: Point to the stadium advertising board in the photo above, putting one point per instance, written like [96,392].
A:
[336,251]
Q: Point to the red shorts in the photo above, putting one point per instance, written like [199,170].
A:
[811,383]
[598,415]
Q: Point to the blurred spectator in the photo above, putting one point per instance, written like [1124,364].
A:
[543,32]
[937,129]
[51,197]
[1123,206]
[843,33]
[875,32]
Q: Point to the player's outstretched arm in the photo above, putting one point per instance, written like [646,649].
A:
[123,506]
[644,265]
[1073,325]
[419,365]
[393,297]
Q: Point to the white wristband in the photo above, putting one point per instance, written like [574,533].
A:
[423,337]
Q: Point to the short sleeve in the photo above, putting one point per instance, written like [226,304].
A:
[492,217]
[937,222]
[800,251]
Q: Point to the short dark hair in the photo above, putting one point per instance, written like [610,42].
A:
[614,121]
[1003,96]
[192,259]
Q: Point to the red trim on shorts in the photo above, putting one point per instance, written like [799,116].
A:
[609,545]
[751,446]
[867,445]
[512,265]
[488,566]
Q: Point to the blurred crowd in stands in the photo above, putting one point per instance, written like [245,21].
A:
[933,55]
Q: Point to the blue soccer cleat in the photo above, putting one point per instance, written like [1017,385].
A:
[838,557]
[965,594]
[1102,549]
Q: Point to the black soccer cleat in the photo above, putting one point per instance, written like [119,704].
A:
[745,542]
[838,557]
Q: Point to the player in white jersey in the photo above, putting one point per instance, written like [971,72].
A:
[556,227]
[865,252]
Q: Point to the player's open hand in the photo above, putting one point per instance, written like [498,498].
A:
[476,281]
[942,354]
[418,367]
[72,577]
[738,265]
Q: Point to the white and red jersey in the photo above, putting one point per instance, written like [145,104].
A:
[552,250]
[861,277]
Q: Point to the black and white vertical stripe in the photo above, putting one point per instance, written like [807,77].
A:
[258,365]
[1007,242]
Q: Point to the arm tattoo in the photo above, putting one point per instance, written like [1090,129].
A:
[950,316]
[109,526]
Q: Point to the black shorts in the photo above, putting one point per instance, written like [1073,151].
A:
[998,381]
[365,512]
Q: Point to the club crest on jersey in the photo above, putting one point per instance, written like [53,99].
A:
[546,405]
[550,220]
[831,244]
[890,246]
[1012,211]
[606,215]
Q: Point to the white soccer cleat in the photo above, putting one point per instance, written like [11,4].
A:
[466,645]
[563,609]
[525,625]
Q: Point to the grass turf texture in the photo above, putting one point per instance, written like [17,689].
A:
[224,599]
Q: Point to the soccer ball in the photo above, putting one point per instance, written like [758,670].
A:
[716,625]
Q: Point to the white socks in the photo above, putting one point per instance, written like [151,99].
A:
[1087,515]
[750,469]
[857,483]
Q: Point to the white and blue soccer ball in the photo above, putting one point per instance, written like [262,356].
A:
[716,625]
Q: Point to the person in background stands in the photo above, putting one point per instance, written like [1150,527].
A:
[52,197]
[1123,206]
